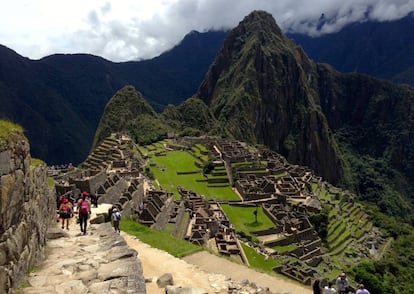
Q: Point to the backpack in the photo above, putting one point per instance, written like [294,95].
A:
[65,211]
[84,207]
[117,216]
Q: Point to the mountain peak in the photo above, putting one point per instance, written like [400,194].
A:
[261,82]
[260,20]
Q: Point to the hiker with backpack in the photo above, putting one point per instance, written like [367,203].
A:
[116,217]
[65,212]
[84,210]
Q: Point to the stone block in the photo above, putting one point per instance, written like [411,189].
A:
[164,280]
[99,219]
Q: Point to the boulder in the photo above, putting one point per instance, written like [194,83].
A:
[164,280]
[99,219]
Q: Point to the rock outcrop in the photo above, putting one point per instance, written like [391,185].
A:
[27,208]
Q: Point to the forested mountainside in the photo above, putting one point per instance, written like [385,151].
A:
[59,99]
[63,93]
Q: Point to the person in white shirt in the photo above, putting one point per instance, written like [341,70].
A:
[329,289]
[362,290]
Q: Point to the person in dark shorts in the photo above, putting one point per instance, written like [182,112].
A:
[84,210]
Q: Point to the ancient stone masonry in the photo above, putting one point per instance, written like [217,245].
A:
[27,208]
[261,178]
[111,172]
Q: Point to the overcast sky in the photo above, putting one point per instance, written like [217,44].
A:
[139,29]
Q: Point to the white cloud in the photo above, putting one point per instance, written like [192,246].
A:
[135,29]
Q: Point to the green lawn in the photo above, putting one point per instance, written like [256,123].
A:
[244,220]
[258,261]
[165,171]
[282,249]
[159,239]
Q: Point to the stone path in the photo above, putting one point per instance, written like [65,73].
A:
[105,262]
[98,262]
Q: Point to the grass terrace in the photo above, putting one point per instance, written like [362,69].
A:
[178,168]
[198,151]
[286,248]
[159,239]
[243,218]
[259,261]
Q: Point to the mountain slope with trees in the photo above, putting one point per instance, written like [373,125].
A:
[62,93]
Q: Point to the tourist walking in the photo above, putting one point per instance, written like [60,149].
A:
[342,284]
[94,200]
[116,218]
[84,210]
[317,287]
[329,289]
[65,212]
[362,290]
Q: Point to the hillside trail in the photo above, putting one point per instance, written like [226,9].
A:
[199,270]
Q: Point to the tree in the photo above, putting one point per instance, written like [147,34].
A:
[255,214]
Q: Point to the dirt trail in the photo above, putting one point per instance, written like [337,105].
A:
[203,270]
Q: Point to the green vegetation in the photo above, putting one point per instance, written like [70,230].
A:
[179,168]
[392,274]
[127,111]
[159,239]
[36,162]
[286,248]
[321,221]
[7,128]
[372,175]
[258,261]
[50,182]
[243,218]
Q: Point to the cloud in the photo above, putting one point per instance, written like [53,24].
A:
[140,29]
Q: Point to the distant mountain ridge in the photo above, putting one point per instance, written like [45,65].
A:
[59,99]
[64,95]
[381,49]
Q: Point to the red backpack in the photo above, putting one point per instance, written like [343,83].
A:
[84,207]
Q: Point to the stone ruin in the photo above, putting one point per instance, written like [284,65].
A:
[27,207]
[283,190]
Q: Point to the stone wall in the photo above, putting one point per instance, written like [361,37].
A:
[27,208]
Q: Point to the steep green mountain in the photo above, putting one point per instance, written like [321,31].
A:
[373,122]
[263,89]
[351,129]
[192,117]
[127,111]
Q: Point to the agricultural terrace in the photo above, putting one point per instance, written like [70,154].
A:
[344,232]
[178,168]
[244,220]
